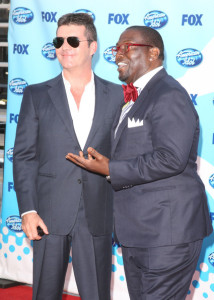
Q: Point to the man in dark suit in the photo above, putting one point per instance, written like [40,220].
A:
[68,113]
[161,213]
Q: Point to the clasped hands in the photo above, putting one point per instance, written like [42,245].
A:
[95,162]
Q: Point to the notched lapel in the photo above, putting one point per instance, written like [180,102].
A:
[139,104]
[115,122]
[58,97]
[101,99]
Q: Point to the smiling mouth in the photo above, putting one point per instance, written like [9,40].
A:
[67,54]
[121,65]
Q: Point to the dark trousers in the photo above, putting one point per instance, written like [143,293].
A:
[91,259]
[161,273]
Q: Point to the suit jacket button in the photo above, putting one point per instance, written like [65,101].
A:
[79,181]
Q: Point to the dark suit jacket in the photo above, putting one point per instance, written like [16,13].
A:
[44,180]
[159,198]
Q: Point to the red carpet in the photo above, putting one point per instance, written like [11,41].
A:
[22,292]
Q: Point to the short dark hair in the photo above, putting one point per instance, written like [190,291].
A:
[152,37]
[80,19]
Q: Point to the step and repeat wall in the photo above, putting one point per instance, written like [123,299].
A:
[188,32]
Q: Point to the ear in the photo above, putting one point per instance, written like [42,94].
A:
[154,53]
[93,47]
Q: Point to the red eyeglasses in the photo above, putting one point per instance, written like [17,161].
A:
[126,47]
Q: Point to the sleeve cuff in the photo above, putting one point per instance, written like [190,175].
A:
[27,212]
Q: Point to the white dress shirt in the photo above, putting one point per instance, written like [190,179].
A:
[82,118]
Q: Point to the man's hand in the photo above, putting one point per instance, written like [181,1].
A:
[30,222]
[96,162]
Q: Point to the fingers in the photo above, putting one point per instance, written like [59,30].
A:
[95,162]
[81,154]
[94,153]
[90,157]
[30,222]
[73,157]
[80,160]
[76,159]
[43,227]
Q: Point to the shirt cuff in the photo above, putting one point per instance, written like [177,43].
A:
[27,212]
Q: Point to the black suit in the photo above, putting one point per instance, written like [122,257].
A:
[159,199]
[53,186]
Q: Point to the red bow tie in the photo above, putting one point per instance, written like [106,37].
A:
[130,92]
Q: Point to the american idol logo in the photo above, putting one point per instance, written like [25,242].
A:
[9,154]
[17,86]
[108,55]
[14,223]
[48,51]
[22,15]
[189,57]
[155,19]
[211,258]
[211,180]
[85,11]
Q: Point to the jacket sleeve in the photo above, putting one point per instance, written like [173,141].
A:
[25,157]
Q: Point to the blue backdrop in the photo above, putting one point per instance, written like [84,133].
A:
[187,30]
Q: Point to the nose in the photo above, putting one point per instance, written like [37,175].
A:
[65,45]
[118,55]
[120,51]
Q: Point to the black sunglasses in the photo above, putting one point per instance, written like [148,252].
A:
[73,41]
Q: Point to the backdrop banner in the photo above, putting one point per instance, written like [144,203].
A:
[188,33]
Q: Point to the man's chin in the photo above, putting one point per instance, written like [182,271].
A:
[122,77]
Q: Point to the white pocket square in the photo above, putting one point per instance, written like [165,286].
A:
[132,123]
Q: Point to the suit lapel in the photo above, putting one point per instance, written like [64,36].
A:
[115,122]
[59,99]
[101,97]
[139,104]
